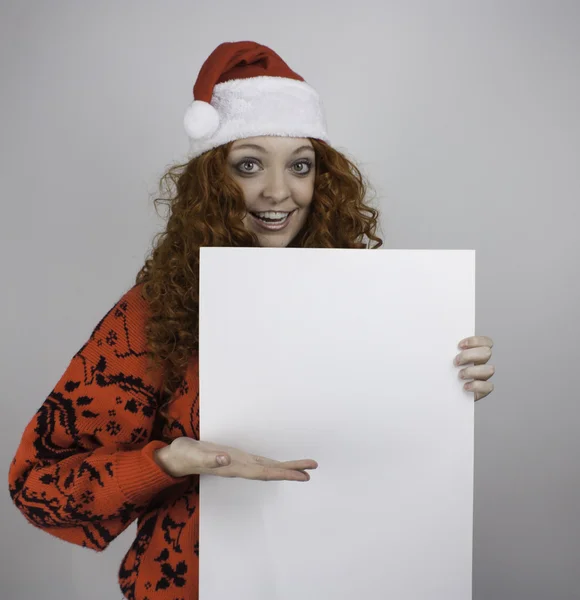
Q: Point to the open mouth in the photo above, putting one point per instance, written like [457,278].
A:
[272,220]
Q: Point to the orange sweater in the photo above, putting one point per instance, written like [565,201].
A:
[84,470]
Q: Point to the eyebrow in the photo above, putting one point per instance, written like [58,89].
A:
[261,149]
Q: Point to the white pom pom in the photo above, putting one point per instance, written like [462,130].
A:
[201,120]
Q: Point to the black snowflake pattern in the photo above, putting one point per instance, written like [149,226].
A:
[113,428]
[139,434]
[112,338]
[87,497]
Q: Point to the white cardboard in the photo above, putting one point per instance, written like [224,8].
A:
[346,357]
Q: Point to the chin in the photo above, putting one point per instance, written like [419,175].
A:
[272,241]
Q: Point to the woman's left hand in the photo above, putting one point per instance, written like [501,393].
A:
[477,351]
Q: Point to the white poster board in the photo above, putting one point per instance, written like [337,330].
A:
[345,357]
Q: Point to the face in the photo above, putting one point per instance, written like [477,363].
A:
[276,175]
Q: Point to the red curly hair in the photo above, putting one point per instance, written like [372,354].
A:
[206,207]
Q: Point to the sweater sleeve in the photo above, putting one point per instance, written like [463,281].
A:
[84,469]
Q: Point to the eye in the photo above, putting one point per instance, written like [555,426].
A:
[243,166]
[306,167]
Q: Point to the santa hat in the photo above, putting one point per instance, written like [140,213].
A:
[244,90]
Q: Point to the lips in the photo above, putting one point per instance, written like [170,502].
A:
[272,220]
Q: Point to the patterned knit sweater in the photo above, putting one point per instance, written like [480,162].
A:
[84,470]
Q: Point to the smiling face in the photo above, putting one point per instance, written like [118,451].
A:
[276,175]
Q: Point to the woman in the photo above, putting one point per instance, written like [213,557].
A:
[118,437]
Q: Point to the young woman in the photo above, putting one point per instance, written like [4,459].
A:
[118,437]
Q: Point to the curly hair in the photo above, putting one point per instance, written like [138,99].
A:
[205,208]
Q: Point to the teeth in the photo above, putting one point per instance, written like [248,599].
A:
[272,215]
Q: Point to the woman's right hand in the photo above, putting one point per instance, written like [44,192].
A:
[186,456]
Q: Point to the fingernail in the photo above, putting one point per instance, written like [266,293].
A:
[222,460]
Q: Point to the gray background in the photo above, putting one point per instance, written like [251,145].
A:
[464,115]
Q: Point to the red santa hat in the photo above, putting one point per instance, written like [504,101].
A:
[244,90]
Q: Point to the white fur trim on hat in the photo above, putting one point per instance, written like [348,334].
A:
[254,107]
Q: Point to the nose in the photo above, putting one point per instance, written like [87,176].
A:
[276,188]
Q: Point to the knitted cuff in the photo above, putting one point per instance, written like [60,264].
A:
[139,477]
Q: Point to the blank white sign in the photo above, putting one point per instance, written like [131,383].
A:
[345,357]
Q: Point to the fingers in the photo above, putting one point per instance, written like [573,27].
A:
[477,356]
[476,340]
[262,460]
[261,473]
[482,372]
[299,465]
[276,474]
[481,389]
[268,469]
[477,351]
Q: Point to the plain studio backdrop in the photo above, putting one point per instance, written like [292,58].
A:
[463,114]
